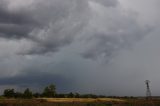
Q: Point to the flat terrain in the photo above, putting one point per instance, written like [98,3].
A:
[60,102]
[79,102]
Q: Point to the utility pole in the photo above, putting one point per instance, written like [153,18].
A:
[148,91]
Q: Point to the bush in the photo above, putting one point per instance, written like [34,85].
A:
[49,91]
[27,94]
[9,93]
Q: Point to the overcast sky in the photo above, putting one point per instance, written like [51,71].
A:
[105,47]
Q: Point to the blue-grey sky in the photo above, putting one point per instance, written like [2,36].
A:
[105,47]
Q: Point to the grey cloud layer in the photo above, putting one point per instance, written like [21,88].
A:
[53,24]
[40,80]
[50,24]
[14,24]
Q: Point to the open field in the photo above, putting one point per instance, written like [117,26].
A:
[78,102]
[84,100]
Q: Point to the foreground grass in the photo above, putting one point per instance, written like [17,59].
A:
[59,102]
[85,100]
[78,102]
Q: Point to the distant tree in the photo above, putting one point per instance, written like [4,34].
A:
[60,95]
[9,93]
[36,95]
[49,91]
[70,95]
[77,95]
[102,96]
[27,94]
[18,95]
[89,96]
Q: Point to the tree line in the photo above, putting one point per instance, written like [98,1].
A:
[48,92]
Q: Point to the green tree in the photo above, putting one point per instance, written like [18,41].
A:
[49,91]
[70,95]
[60,95]
[77,95]
[9,93]
[27,94]
[18,95]
[36,95]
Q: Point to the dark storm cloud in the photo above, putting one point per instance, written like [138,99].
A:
[107,45]
[10,17]
[60,22]
[49,24]
[15,24]
[63,22]
[14,31]
[34,79]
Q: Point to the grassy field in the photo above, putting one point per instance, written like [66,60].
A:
[60,102]
[84,100]
[78,102]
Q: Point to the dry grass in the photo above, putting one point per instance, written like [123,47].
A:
[78,102]
[82,100]
[58,102]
